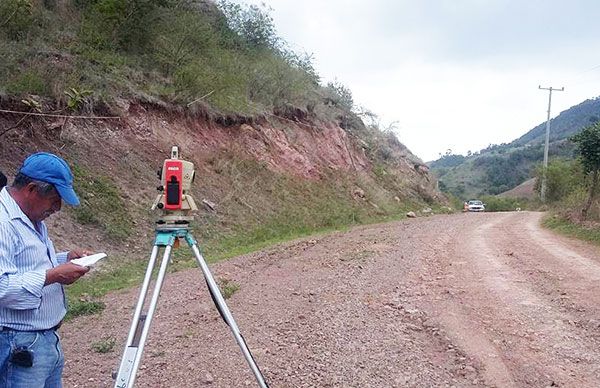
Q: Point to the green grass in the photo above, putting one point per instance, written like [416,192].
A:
[28,82]
[83,307]
[171,52]
[564,226]
[125,273]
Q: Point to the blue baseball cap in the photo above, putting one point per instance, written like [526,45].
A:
[46,167]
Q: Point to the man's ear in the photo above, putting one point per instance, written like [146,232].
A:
[31,188]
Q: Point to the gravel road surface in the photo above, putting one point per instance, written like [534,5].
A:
[466,300]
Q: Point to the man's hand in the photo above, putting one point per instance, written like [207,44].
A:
[77,253]
[65,273]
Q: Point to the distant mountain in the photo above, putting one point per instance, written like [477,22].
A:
[499,168]
[565,124]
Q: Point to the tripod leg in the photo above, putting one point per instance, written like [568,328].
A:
[222,306]
[141,323]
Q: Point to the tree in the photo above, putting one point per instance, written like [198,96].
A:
[252,23]
[563,176]
[588,147]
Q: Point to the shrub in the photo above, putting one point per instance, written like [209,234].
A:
[562,178]
[501,204]
[121,24]
[339,95]
[253,24]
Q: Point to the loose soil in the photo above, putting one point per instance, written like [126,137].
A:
[447,301]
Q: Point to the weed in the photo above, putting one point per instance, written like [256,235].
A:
[228,288]
[105,345]
[358,255]
[77,98]
[158,353]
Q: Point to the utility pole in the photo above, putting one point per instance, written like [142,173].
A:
[545,168]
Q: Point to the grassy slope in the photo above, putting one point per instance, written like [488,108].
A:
[560,224]
[90,54]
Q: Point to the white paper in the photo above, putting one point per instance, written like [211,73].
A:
[90,260]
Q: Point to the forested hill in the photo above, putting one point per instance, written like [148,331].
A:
[566,124]
[499,168]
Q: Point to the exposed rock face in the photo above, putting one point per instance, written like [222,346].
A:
[129,149]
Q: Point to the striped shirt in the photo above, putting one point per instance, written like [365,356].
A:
[25,255]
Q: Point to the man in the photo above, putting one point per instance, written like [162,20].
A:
[32,298]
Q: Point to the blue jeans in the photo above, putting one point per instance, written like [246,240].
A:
[48,359]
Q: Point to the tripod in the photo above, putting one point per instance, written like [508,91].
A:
[166,236]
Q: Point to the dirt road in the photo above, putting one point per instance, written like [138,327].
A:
[446,301]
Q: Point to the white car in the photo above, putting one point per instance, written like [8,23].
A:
[475,206]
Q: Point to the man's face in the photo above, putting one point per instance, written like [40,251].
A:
[43,205]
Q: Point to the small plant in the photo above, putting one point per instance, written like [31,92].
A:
[228,288]
[33,104]
[105,345]
[357,255]
[77,98]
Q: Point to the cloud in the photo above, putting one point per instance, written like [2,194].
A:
[457,74]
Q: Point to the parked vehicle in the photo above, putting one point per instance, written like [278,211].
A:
[476,206]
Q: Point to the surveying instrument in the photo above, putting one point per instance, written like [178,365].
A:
[175,205]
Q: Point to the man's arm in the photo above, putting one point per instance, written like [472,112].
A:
[17,291]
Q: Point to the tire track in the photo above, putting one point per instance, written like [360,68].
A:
[502,319]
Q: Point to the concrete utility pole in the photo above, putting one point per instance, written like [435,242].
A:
[543,189]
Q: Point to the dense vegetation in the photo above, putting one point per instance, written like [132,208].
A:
[500,167]
[191,53]
[571,188]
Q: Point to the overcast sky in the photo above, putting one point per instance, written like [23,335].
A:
[453,74]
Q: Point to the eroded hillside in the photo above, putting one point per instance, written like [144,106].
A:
[267,177]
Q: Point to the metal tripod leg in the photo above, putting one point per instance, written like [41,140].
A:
[141,322]
[222,307]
